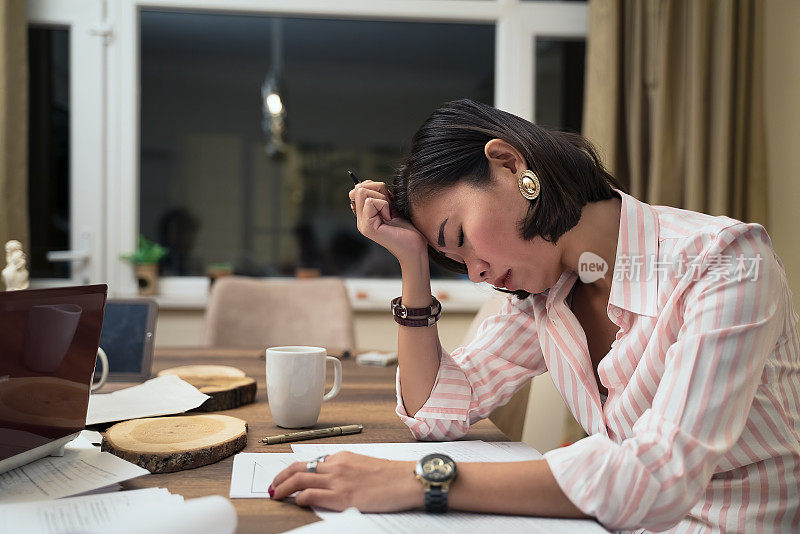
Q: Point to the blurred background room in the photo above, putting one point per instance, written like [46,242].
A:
[222,130]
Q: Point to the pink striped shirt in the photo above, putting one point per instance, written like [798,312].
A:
[701,428]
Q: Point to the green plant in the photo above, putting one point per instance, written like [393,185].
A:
[148,252]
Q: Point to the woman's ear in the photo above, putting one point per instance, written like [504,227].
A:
[499,152]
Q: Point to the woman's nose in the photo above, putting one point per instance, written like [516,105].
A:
[476,270]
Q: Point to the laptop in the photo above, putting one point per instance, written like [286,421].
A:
[48,347]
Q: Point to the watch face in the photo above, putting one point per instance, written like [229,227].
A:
[436,468]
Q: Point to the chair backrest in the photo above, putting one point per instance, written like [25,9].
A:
[249,312]
[510,418]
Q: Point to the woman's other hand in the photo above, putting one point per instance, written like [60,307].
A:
[371,203]
[346,480]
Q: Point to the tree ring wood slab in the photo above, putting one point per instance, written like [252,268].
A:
[168,444]
[228,386]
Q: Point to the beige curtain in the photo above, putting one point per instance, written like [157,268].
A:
[674,101]
[13,123]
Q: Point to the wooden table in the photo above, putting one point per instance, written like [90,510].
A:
[367,397]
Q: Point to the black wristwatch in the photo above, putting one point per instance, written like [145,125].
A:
[436,472]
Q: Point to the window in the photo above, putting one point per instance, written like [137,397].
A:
[48,149]
[559,83]
[165,135]
[354,91]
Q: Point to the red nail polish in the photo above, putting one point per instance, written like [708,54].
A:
[271,492]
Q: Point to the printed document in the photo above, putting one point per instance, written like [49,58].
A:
[150,511]
[52,477]
[76,514]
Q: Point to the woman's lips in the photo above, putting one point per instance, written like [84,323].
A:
[505,281]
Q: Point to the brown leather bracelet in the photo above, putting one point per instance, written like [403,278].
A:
[427,321]
[416,316]
[403,312]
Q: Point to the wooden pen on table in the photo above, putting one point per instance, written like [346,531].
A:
[313,434]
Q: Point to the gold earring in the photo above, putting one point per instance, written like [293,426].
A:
[528,184]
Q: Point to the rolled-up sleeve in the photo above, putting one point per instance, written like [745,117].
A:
[480,376]
[730,326]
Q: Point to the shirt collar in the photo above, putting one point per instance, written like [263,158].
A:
[634,286]
[635,282]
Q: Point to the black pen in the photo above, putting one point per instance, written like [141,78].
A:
[353,176]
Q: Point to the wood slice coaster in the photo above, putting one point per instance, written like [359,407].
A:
[228,386]
[168,444]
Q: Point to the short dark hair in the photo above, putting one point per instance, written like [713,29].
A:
[448,149]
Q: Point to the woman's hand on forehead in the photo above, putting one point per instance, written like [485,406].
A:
[375,219]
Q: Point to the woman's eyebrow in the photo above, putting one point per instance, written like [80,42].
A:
[440,241]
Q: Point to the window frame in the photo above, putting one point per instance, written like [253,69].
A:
[85,22]
[517,26]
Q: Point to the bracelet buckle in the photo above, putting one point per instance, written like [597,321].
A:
[400,311]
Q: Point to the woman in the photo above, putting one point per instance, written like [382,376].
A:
[670,335]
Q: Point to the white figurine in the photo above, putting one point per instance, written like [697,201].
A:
[15,275]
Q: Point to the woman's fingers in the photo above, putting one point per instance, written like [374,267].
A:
[363,193]
[320,498]
[380,187]
[374,207]
[300,481]
[369,189]
[296,467]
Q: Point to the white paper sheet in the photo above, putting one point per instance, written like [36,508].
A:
[516,451]
[95,438]
[206,515]
[350,521]
[81,442]
[463,523]
[78,514]
[145,511]
[253,472]
[78,471]
[164,395]
[460,451]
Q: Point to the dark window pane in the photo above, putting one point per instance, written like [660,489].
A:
[559,83]
[48,149]
[353,92]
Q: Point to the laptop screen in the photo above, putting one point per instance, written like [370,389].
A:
[48,346]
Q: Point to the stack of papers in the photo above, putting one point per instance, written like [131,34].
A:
[165,395]
[79,471]
[30,498]
[253,473]
[354,522]
[145,511]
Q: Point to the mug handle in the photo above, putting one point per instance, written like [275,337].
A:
[337,379]
[101,354]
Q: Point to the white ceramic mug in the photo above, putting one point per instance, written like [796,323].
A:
[296,384]
[101,355]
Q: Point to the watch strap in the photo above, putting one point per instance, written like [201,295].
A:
[435,500]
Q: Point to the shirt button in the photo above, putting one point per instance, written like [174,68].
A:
[617,313]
